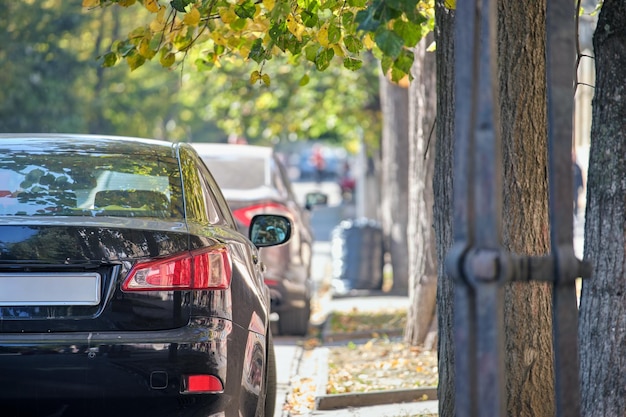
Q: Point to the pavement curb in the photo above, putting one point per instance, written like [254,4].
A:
[325,401]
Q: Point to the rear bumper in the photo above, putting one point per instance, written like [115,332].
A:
[106,371]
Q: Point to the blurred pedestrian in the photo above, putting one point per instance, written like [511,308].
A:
[318,162]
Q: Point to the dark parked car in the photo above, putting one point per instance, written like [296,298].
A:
[254,180]
[125,286]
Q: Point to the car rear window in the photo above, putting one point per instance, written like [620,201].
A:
[90,185]
[239,173]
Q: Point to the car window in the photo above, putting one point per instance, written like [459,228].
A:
[89,184]
[201,206]
[284,178]
[237,172]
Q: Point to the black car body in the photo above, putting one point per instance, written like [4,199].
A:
[254,180]
[125,286]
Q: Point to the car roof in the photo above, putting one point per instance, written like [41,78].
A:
[86,143]
[207,149]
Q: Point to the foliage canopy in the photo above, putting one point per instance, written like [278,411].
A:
[312,31]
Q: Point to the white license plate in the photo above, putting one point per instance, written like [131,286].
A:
[53,289]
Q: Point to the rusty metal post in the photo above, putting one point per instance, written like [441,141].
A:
[477,260]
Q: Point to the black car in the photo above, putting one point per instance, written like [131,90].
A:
[125,286]
[254,180]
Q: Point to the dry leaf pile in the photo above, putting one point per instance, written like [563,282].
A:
[378,365]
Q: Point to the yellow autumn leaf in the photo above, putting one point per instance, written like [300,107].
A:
[167,60]
[218,38]
[368,42]
[151,5]
[126,3]
[91,3]
[192,18]
[254,77]
[269,4]
[322,36]
[227,15]
[450,4]
[295,27]
[266,79]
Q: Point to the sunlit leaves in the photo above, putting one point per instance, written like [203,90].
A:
[318,31]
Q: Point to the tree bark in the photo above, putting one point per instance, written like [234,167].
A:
[602,326]
[522,101]
[442,212]
[420,329]
[394,179]
[528,306]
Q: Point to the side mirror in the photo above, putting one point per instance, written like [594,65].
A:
[315,199]
[269,230]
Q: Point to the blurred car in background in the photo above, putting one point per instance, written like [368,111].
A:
[126,288]
[254,180]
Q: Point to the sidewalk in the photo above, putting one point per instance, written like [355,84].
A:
[311,365]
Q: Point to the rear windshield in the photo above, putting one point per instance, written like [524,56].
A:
[238,173]
[89,185]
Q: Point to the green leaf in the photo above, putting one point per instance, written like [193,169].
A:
[353,44]
[239,24]
[348,21]
[389,42]
[277,30]
[405,61]
[246,10]
[385,64]
[123,48]
[310,52]
[135,60]
[257,52]
[366,21]
[179,5]
[109,59]
[357,3]
[309,19]
[322,61]
[402,5]
[352,64]
[397,74]
[304,80]
[203,64]
[334,33]
[409,32]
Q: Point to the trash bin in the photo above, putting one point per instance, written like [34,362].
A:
[357,255]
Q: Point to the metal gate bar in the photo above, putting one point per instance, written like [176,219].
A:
[477,260]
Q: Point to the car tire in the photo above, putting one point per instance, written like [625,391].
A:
[270,378]
[295,322]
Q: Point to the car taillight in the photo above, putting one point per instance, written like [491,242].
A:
[203,269]
[202,384]
[245,214]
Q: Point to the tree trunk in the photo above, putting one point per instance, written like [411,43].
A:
[442,212]
[420,329]
[394,179]
[528,306]
[522,101]
[602,325]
